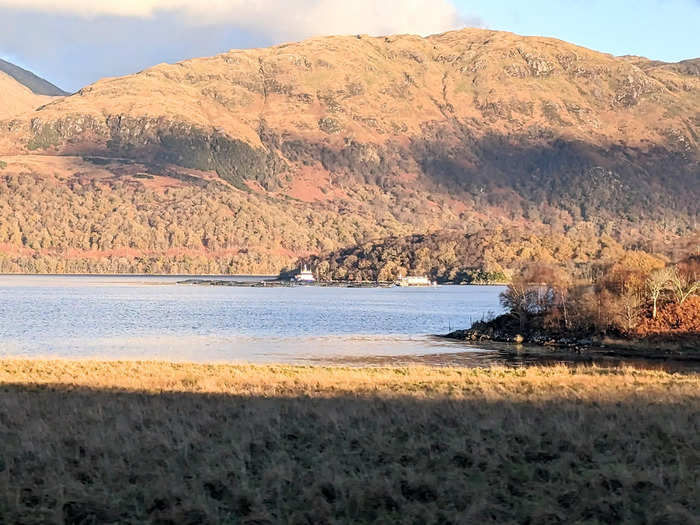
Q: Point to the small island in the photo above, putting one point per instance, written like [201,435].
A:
[284,283]
[304,276]
[637,305]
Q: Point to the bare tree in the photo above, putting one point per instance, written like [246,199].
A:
[657,283]
[682,285]
[631,307]
[522,300]
[560,286]
[538,290]
[515,300]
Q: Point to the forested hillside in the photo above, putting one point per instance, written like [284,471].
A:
[491,255]
[86,218]
[248,160]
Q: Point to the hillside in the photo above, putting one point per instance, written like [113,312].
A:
[489,255]
[34,83]
[16,98]
[484,256]
[315,146]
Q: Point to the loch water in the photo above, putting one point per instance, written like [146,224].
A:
[154,317]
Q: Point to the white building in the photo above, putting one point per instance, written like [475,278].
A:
[305,276]
[413,280]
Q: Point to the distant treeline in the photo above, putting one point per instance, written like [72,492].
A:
[487,256]
[200,264]
[83,225]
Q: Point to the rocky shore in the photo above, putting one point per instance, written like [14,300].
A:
[507,329]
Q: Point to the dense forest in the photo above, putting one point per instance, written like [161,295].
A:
[131,223]
[491,255]
[83,224]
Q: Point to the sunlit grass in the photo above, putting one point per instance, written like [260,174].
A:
[547,382]
[152,442]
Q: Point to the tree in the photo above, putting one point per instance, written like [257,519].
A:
[682,285]
[516,299]
[631,306]
[657,283]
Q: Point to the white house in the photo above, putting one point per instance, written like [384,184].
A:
[305,276]
[413,280]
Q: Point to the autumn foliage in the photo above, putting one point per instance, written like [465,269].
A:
[636,296]
[673,317]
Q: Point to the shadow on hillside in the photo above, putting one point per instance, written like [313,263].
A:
[80,456]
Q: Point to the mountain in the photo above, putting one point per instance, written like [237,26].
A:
[34,83]
[249,159]
[16,98]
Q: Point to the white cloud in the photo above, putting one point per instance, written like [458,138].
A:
[75,42]
[286,19]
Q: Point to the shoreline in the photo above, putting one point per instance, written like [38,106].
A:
[283,283]
[660,346]
[213,279]
[191,275]
[319,284]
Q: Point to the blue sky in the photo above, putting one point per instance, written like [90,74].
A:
[75,43]
[666,30]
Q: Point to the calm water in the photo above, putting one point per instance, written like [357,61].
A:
[127,317]
[153,317]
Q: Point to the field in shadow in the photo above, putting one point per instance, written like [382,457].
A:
[83,455]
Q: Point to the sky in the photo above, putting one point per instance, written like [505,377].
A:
[75,42]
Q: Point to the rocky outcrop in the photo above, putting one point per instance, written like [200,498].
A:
[506,329]
[159,141]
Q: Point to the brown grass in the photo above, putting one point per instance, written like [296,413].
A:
[147,442]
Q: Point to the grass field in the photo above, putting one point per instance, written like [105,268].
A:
[86,442]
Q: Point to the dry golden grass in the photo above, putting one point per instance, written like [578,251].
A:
[531,383]
[147,442]
[17,99]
